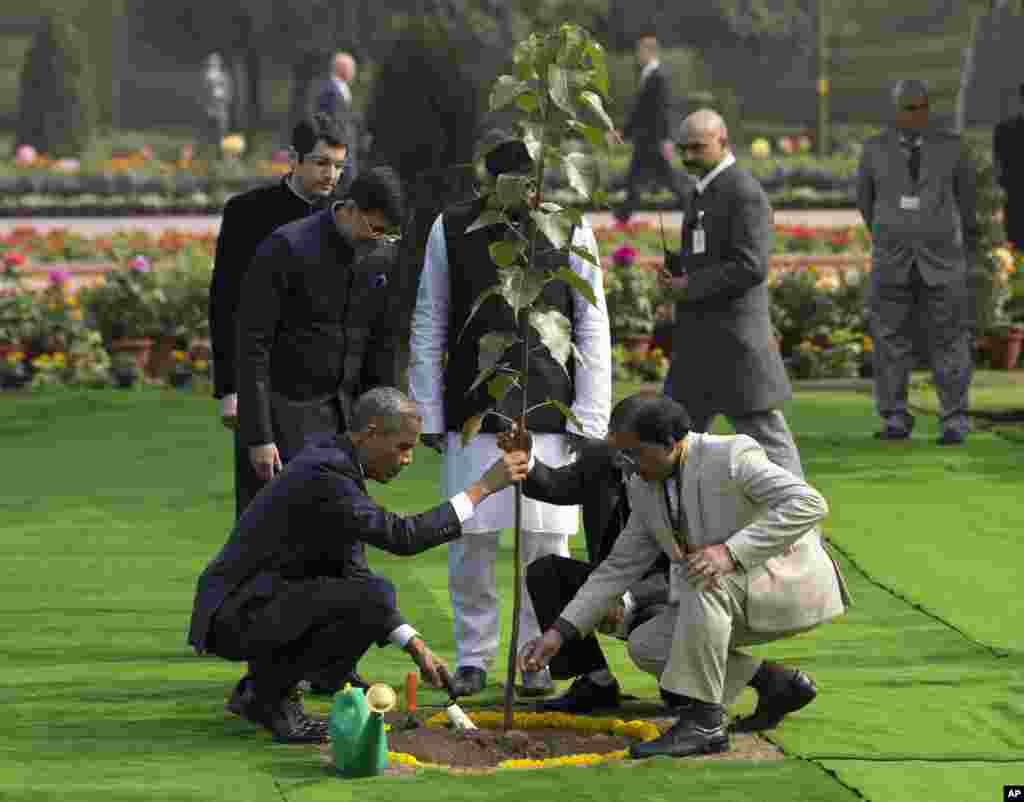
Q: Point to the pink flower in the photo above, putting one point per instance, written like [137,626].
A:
[187,152]
[140,264]
[282,156]
[624,255]
[59,277]
[146,152]
[25,155]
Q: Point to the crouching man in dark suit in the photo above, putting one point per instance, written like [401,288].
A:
[291,592]
[597,481]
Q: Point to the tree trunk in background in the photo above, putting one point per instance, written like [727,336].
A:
[254,74]
[306,69]
[966,78]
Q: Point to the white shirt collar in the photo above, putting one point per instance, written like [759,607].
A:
[649,67]
[343,88]
[723,165]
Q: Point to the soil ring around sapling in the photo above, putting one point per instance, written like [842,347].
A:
[538,740]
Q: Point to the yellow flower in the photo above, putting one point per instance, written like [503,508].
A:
[42,362]
[233,144]
[179,356]
[75,314]
[201,365]
[59,360]
[72,301]
[869,344]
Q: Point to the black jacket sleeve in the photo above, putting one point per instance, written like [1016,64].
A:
[380,365]
[234,250]
[259,310]
[346,509]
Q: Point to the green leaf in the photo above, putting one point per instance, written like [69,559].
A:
[471,428]
[593,101]
[558,89]
[506,89]
[528,102]
[567,413]
[581,173]
[554,226]
[532,136]
[555,332]
[494,290]
[592,134]
[493,346]
[520,287]
[578,283]
[505,253]
[489,217]
[499,386]
[511,190]
[599,63]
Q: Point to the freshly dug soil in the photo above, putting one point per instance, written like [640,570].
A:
[486,748]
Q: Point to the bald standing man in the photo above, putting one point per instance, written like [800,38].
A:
[725,360]
[335,100]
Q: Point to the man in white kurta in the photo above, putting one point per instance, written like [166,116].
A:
[546,527]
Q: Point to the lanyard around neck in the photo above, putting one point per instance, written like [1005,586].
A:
[679,518]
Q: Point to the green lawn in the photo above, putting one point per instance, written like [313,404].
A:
[112,502]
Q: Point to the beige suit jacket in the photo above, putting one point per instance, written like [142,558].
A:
[732,494]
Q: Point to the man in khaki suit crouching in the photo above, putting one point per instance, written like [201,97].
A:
[748,566]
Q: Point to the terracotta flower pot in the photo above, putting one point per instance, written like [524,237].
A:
[161,356]
[1006,348]
[139,347]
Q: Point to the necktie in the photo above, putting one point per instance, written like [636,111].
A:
[914,162]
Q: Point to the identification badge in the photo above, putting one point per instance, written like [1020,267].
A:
[910,203]
[676,578]
[699,240]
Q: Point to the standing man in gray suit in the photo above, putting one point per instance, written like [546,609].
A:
[335,100]
[916,191]
[725,360]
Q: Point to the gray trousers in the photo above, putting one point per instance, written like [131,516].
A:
[942,308]
[769,429]
[692,647]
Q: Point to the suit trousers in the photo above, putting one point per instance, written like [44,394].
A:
[648,166]
[893,311]
[288,629]
[294,422]
[693,649]
[769,429]
[474,593]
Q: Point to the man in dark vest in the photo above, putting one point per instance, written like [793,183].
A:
[457,269]
[319,153]
[1008,155]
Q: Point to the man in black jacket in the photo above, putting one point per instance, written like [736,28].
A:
[313,327]
[319,155]
[290,591]
[596,480]
[648,128]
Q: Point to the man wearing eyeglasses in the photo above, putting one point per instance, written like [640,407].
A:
[724,357]
[916,191]
[747,567]
[319,153]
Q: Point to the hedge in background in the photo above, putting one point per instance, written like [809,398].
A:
[56,101]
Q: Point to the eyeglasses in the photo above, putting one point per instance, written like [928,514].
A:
[385,235]
[325,164]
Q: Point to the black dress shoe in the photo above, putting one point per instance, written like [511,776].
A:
[699,731]
[797,690]
[237,699]
[584,696]
[284,717]
[673,701]
[468,681]
[324,686]
[951,437]
[893,433]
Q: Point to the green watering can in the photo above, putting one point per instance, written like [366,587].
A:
[356,726]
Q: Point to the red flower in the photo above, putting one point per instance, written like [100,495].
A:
[624,255]
[14,259]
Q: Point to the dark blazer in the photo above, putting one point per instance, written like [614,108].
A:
[1008,151]
[331,102]
[594,482]
[314,326]
[249,219]
[648,125]
[724,358]
[313,520]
